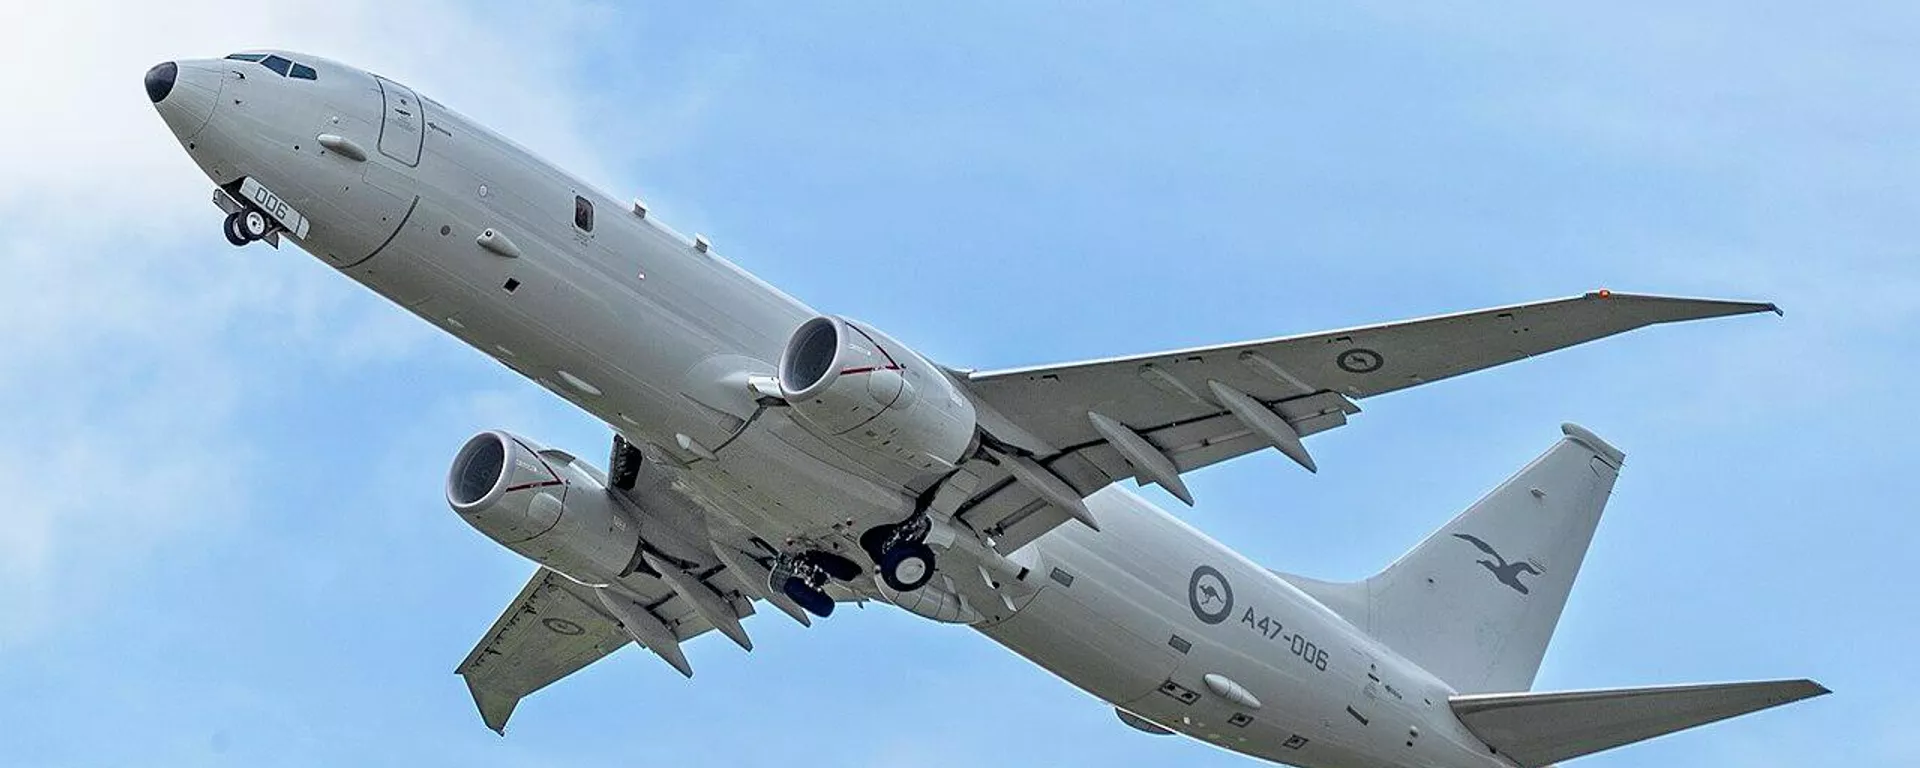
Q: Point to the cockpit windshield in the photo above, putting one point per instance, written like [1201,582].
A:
[280,65]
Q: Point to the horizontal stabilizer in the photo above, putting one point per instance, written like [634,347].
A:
[1537,729]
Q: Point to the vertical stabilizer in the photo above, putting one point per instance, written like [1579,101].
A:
[1476,603]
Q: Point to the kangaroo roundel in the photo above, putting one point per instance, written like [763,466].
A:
[1210,595]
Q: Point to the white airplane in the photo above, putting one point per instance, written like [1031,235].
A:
[765,453]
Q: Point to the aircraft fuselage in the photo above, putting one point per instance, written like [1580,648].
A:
[650,332]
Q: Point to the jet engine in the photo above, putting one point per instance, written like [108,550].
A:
[854,384]
[543,504]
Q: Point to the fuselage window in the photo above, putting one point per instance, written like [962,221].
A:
[246,56]
[303,72]
[583,213]
[277,64]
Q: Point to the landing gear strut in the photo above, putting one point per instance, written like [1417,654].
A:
[906,562]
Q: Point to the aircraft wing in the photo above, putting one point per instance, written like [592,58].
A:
[1155,416]
[556,626]
[550,631]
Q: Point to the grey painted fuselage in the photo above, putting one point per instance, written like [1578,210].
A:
[650,333]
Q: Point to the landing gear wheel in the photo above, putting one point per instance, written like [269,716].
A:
[907,567]
[254,224]
[231,228]
[814,601]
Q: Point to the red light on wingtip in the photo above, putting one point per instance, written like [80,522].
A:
[1606,294]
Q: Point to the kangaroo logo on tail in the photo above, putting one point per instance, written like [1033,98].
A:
[1507,573]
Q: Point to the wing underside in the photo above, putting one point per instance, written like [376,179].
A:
[1152,417]
[548,632]
[555,627]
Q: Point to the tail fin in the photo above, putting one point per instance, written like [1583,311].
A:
[1476,603]
[1537,729]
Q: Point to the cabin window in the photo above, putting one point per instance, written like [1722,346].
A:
[583,213]
[303,72]
[277,64]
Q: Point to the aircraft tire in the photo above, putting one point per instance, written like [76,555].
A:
[812,600]
[231,228]
[907,567]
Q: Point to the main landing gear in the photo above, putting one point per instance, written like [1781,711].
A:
[804,577]
[906,562]
[245,226]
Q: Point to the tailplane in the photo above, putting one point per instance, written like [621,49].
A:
[1476,603]
[1537,729]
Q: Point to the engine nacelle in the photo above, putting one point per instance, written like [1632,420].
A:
[544,505]
[854,384]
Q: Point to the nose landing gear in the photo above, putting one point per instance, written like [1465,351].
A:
[256,213]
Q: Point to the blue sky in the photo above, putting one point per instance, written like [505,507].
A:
[226,543]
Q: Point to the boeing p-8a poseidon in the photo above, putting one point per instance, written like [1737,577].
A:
[767,454]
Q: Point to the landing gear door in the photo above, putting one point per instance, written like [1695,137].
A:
[402,124]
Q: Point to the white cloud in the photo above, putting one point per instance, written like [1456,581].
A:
[119,369]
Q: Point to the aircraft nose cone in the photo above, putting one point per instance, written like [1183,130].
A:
[160,80]
[185,94]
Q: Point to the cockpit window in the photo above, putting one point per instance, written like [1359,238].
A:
[279,64]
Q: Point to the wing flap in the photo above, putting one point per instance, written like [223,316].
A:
[1014,515]
[1538,729]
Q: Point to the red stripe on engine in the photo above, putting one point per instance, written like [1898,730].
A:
[870,369]
[892,365]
